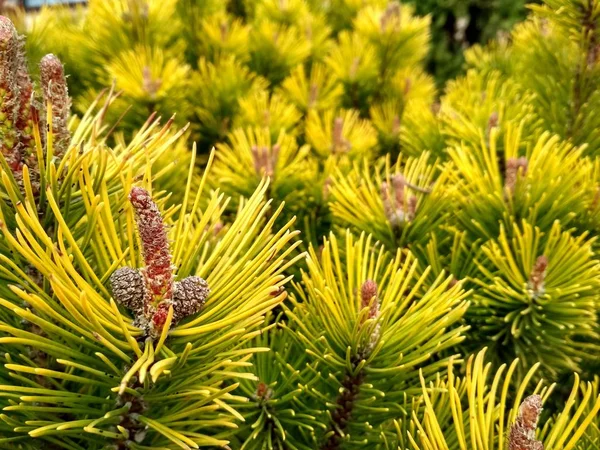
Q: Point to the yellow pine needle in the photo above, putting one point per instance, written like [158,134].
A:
[132,342]
[53,374]
[85,368]
[98,326]
[149,360]
[165,330]
[65,229]
[108,362]
[134,369]
[175,437]
[161,366]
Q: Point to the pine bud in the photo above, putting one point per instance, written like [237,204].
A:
[313,95]
[538,274]
[368,293]
[149,84]
[340,144]
[522,432]
[158,273]
[24,123]
[54,87]
[150,292]
[399,184]
[265,160]
[392,14]
[9,99]
[512,171]
[263,392]
[396,125]
[493,122]
[159,318]
[400,210]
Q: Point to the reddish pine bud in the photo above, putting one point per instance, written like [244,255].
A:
[400,210]
[391,15]
[54,87]
[368,295]
[149,84]
[149,292]
[24,122]
[522,432]
[538,275]
[265,159]
[493,121]
[340,144]
[514,166]
[396,125]
[9,96]
[158,273]
[399,184]
[263,392]
[530,410]
[160,317]
[313,95]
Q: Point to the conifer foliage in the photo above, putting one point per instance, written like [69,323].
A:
[361,262]
[84,232]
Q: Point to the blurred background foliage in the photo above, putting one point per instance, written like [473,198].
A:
[458,24]
[168,46]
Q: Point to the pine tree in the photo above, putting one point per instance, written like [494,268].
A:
[97,272]
[153,297]
[473,412]
[135,44]
[510,192]
[369,324]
